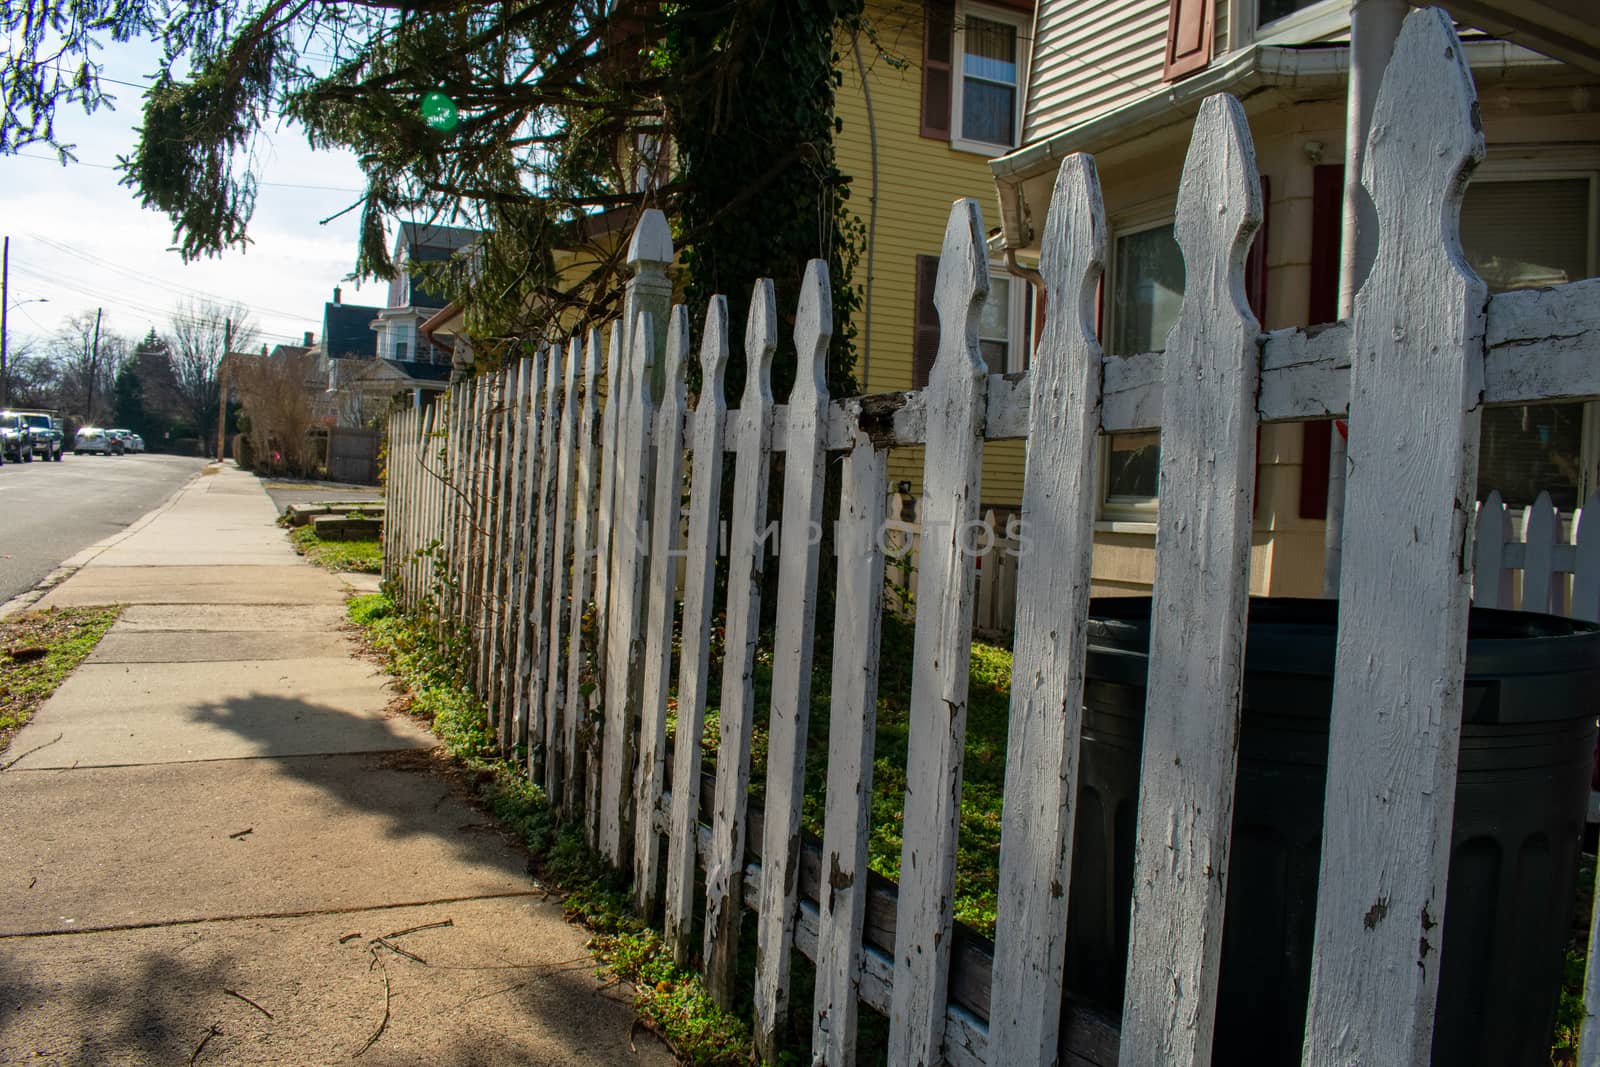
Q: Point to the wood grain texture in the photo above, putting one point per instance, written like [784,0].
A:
[1197,618]
[561,581]
[1416,388]
[803,470]
[852,726]
[942,647]
[521,628]
[659,609]
[624,634]
[585,522]
[707,429]
[746,561]
[1046,721]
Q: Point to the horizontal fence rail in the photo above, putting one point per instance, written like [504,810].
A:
[587,534]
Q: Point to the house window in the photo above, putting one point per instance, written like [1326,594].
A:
[1273,10]
[973,61]
[988,90]
[1146,287]
[400,350]
[1004,337]
[1523,234]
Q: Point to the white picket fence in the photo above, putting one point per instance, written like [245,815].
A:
[1553,568]
[997,545]
[541,500]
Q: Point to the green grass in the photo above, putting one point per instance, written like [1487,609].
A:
[38,649]
[674,1000]
[363,556]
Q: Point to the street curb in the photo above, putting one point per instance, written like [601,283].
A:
[24,600]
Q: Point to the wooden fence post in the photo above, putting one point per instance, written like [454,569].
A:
[956,403]
[1416,386]
[708,429]
[746,552]
[1046,721]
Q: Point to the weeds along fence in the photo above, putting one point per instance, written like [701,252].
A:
[540,520]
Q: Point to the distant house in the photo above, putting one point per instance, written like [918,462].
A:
[377,355]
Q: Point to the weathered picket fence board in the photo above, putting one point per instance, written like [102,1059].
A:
[708,428]
[799,548]
[746,558]
[584,554]
[1412,368]
[606,458]
[1416,383]
[624,648]
[1046,724]
[541,549]
[942,646]
[555,673]
[853,720]
[1197,617]
[651,764]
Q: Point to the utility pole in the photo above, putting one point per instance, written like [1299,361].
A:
[5,302]
[222,386]
[94,365]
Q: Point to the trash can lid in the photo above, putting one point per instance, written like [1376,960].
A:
[1537,667]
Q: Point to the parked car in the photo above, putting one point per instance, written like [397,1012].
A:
[16,438]
[46,434]
[93,439]
[131,442]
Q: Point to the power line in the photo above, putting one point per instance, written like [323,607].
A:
[109,166]
[135,274]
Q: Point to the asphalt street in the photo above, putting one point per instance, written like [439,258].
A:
[51,511]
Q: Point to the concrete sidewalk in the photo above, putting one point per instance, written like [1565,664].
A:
[216,806]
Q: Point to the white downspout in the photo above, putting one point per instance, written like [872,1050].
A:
[1374,28]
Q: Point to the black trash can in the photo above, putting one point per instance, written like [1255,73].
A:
[1527,750]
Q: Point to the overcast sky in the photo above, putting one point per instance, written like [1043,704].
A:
[82,241]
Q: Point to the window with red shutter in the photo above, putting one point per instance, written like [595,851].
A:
[938,37]
[1327,220]
[925,339]
[1189,24]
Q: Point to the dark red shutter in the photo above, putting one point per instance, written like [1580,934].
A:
[1327,221]
[938,44]
[1189,24]
[925,342]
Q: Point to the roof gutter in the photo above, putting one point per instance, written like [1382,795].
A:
[1299,73]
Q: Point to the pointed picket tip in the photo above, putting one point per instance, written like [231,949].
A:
[591,353]
[1072,256]
[962,282]
[813,330]
[714,351]
[677,357]
[651,242]
[760,342]
[1427,89]
[574,360]
[1219,197]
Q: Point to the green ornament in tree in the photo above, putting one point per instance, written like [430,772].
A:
[439,111]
